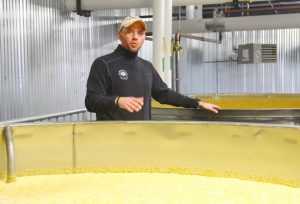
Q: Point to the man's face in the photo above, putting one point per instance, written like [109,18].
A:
[132,37]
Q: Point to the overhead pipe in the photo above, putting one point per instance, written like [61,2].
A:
[158,35]
[168,38]
[278,8]
[265,8]
[185,35]
[91,5]
[280,21]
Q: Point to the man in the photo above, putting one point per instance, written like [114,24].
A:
[121,84]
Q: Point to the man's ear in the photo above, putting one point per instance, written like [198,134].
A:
[120,36]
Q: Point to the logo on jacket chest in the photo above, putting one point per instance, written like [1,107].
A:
[123,74]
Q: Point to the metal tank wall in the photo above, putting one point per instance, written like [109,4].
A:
[210,68]
[46,53]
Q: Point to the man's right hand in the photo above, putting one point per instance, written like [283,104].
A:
[131,104]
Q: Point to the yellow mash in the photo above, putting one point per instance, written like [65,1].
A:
[142,188]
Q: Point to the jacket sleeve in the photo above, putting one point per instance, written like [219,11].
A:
[165,95]
[98,98]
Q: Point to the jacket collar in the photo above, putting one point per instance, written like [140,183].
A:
[126,53]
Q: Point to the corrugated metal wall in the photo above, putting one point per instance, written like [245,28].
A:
[46,53]
[211,68]
[45,57]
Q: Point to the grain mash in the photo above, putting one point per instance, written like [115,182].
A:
[142,188]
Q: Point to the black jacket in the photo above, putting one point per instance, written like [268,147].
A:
[123,73]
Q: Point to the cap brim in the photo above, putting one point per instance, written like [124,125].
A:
[129,23]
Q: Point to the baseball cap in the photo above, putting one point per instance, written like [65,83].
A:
[129,20]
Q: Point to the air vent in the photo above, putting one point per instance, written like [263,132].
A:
[257,53]
[269,53]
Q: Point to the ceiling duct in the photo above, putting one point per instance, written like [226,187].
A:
[91,5]
[215,26]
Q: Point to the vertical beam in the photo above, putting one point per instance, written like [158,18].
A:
[167,48]
[158,32]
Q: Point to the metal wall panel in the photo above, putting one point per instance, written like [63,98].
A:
[46,53]
[211,68]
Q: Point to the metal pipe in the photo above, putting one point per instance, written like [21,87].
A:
[44,117]
[11,169]
[261,9]
[176,71]
[177,47]
[78,7]
[184,35]
[81,12]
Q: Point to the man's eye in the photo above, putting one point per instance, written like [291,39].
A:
[129,32]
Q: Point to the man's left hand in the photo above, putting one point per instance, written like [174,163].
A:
[208,106]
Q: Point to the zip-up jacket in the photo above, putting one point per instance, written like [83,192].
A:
[121,74]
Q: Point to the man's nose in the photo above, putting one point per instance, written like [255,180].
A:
[135,35]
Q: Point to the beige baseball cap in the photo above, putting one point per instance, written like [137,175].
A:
[128,21]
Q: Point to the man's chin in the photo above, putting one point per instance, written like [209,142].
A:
[134,50]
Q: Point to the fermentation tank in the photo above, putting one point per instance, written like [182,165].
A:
[247,151]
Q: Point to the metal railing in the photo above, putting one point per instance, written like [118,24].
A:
[68,116]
